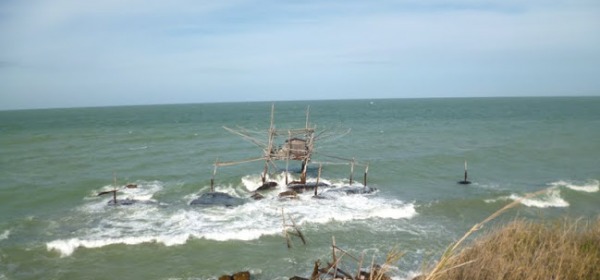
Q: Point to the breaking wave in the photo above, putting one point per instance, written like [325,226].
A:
[590,186]
[153,222]
[552,197]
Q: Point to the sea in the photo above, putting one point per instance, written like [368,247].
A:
[55,162]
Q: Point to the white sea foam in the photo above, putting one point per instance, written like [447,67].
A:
[143,192]
[5,235]
[138,148]
[175,225]
[589,187]
[494,200]
[551,198]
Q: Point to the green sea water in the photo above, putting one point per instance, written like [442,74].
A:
[54,162]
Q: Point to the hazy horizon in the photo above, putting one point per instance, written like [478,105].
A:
[374,100]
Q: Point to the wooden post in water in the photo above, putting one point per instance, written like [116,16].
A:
[287,157]
[287,163]
[212,178]
[269,150]
[465,170]
[318,178]
[264,175]
[365,178]
[351,171]
[303,174]
[307,114]
[465,181]
[115,188]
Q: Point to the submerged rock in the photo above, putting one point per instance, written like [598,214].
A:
[299,187]
[126,201]
[217,198]
[354,190]
[288,194]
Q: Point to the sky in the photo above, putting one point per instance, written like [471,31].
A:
[73,53]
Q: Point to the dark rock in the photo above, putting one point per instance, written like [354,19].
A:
[243,275]
[376,273]
[267,186]
[257,196]
[298,278]
[125,202]
[217,198]
[354,190]
[288,194]
[299,187]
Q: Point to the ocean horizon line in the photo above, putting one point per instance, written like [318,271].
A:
[301,101]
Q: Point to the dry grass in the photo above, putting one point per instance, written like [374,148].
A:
[568,249]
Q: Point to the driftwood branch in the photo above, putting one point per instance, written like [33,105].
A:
[295,230]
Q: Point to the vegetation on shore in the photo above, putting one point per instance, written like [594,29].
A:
[563,249]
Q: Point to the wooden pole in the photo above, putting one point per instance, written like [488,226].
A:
[333,256]
[318,177]
[365,178]
[287,157]
[307,113]
[285,231]
[264,175]
[269,151]
[303,174]
[465,171]
[115,188]
[351,171]
[212,179]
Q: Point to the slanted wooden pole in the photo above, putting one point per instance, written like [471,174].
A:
[333,256]
[285,231]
